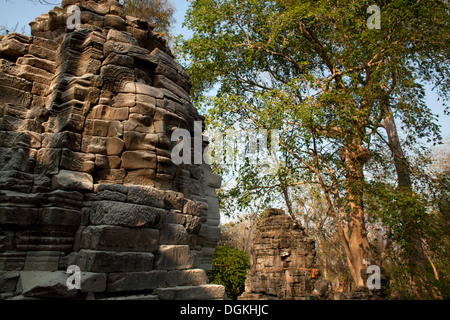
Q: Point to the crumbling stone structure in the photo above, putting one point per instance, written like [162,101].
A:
[86,176]
[283,265]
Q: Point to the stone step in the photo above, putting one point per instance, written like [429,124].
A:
[202,292]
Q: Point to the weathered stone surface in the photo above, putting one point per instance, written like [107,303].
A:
[136,297]
[137,281]
[170,257]
[44,284]
[72,180]
[59,217]
[111,261]
[18,217]
[8,281]
[124,214]
[119,239]
[146,195]
[192,277]
[92,282]
[202,292]
[77,161]
[41,261]
[86,176]
[173,234]
[139,160]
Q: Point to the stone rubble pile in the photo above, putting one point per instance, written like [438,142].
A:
[86,176]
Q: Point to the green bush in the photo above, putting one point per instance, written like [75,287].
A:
[229,269]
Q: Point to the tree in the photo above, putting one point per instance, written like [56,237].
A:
[315,71]
[229,269]
[158,12]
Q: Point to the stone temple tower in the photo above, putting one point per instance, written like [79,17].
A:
[283,264]
[86,175]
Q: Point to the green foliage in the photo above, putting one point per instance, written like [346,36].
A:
[158,12]
[229,269]
[314,71]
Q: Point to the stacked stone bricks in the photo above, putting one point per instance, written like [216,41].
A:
[282,260]
[86,176]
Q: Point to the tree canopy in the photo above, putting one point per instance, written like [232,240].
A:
[337,91]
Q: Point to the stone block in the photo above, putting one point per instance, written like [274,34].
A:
[193,224]
[16,180]
[92,282]
[140,141]
[136,281]
[112,261]
[139,123]
[12,260]
[108,113]
[15,96]
[65,139]
[6,240]
[143,177]
[19,199]
[202,292]
[213,180]
[77,161]
[107,195]
[161,81]
[72,181]
[124,214]
[60,217]
[13,48]
[103,128]
[213,233]
[107,162]
[44,284]
[42,261]
[174,200]
[47,161]
[113,238]
[213,207]
[146,195]
[10,139]
[192,277]
[115,22]
[110,174]
[61,198]
[174,234]
[8,281]
[93,144]
[17,217]
[114,146]
[119,60]
[120,36]
[173,257]
[194,208]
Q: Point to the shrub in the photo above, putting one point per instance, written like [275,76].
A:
[229,269]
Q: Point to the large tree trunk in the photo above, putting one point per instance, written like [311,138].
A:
[354,157]
[416,256]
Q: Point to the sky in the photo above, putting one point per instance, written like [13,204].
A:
[21,12]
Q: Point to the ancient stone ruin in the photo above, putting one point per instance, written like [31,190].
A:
[86,176]
[283,265]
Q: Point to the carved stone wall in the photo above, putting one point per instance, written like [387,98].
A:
[283,263]
[86,176]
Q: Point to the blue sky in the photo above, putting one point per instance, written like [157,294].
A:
[24,11]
